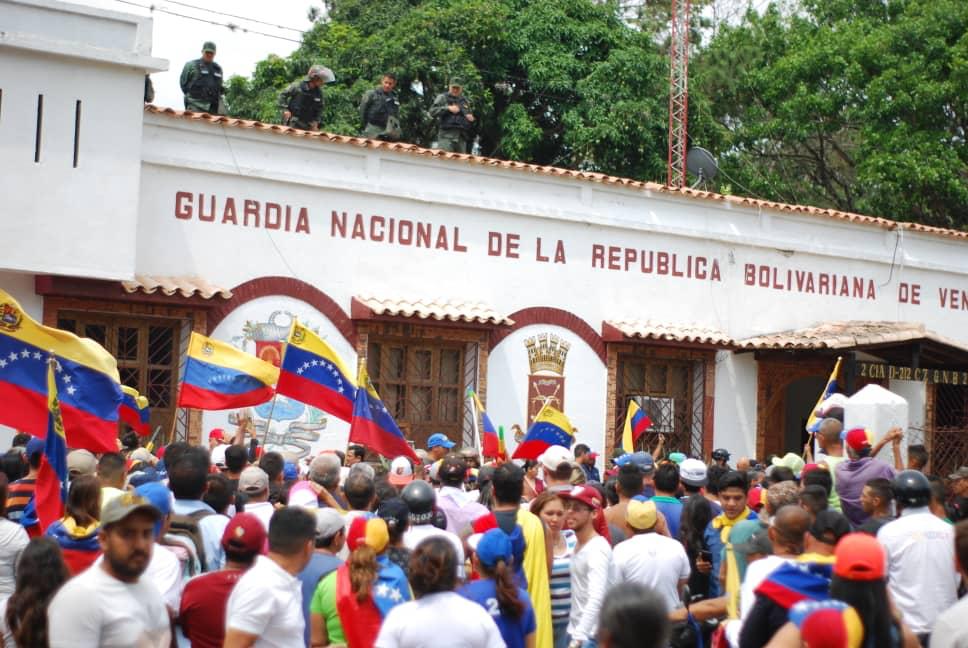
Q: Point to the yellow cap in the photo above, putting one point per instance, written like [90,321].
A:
[641,515]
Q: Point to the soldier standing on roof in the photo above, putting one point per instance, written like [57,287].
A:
[302,102]
[201,82]
[380,110]
[454,119]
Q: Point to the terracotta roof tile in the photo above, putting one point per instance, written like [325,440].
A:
[589,176]
[845,335]
[184,286]
[683,333]
[438,309]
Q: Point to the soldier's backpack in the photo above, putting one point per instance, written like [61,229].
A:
[186,526]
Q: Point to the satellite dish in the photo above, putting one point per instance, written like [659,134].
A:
[702,165]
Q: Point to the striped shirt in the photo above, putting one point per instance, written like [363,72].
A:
[561,580]
[19,494]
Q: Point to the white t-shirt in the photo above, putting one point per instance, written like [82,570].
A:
[589,581]
[165,571]
[444,618]
[756,573]
[920,566]
[653,560]
[420,532]
[267,602]
[94,609]
[262,510]
[950,629]
[13,539]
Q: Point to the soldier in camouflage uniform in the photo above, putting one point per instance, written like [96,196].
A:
[380,111]
[302,102]
[455,121]
[201,82]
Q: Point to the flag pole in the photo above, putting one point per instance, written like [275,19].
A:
[477,432]
[272,408]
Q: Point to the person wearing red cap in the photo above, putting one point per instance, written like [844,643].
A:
[589,565]
[853,474]
[202,612]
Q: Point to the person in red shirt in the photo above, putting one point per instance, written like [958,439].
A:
[203,603]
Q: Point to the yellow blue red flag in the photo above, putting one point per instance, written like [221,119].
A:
[372,424]
[86,377]
[813,423]
[313,373]
[637,421]
[492,445]
[219,376]
[550,427]
[134,410]
[51,486]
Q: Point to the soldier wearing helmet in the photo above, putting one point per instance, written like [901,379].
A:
[302,102]
[201,82]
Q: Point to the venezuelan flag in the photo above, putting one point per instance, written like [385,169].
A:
[490,440]
[51,487]
[550,427]
[373,426]
[637,421]
[87,377]
[313,373]
[219,376]
[134,410]
[813,423]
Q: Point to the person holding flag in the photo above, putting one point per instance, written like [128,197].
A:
[637,421]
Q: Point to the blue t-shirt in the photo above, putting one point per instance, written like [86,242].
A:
[320,565]
[671,508]
[513,631]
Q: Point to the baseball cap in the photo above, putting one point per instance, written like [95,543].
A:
[253,480]
[829,527]
[789,460]
[245,533]
[641,460]
[859,557]
[81,462]
[34,446]
[827,624]
[328,522]
[218,455]
[456,81]
[554,456]
[808,468]
[755,498]
[453,466]
[438,439]
[157,494]
[216,433]
[750,538]
[208,46]
[368,530]
[323,464]
[401,472]
[693,472]
[120,507]
[494,545]
[677,457]
[641,515]
[961,473]
[584,494]
[144,475]
[858,439]
[395,512]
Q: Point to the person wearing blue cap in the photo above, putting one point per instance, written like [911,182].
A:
[437,446]
[496,591]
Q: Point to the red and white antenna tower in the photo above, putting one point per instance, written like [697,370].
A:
[679,93]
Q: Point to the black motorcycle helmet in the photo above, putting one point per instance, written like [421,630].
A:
[912,489]
[721,454]
[420,498]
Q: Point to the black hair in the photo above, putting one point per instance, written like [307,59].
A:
[396,514]
[390,75]
[359,490]
[733,479]
[611,491]
[111,466]
[882,489]
[40,573]
[918,454]
[696,514]
[235,458]
[289,529]
[626,611]
[508,483]
[384,490]
[581,449]
[12,465]
[218,493]
[20,439]
[714,473]
[273,463]
[814,499]
[818,477]
[452,470]
[174,452]
[3,493]
[186,477]
[870,600]
[629,480]
[666,478]
[243,557]
[357,451]
[938,492]
[433,566]
[781,474]
[130,441]
[84,500]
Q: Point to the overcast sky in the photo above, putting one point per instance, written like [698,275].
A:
[180,39]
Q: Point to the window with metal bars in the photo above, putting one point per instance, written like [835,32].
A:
[147,351]
[421,383]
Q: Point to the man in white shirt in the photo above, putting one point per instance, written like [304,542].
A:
[649,558]
[164,568]
[950,630]
[254,483]
[920,556]
[589,564]
[109,605]
[265,607]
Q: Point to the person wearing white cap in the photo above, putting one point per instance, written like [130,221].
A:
[400,473]
[557,463]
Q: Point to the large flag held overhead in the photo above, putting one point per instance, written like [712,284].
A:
[637,421]
[51,487]
[550,427]
[813,423]
[491,443]
[86,377]
[314,374]
[134,410]
[372,424]
[219,376]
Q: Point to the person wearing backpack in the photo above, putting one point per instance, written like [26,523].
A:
[191,518]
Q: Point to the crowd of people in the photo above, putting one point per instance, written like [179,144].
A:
[225,545]
[301,102]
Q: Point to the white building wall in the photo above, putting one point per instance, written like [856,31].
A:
[735,407]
